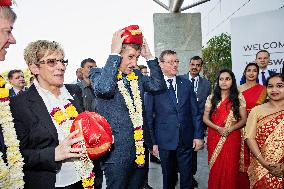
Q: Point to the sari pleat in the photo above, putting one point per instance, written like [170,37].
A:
[224,169]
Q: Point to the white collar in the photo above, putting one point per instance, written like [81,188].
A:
[64,94]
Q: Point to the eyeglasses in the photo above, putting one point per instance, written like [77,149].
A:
[53,62]
[172,62]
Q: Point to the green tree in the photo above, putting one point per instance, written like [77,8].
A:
[216,56]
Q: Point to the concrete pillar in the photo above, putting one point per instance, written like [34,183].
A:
[180,32]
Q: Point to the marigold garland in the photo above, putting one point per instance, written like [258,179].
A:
[135,112]
[84,165]
[11,174]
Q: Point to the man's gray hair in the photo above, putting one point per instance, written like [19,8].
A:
[8,13]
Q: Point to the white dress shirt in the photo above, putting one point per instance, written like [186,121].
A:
[67,175]
[195,84]
[174,83]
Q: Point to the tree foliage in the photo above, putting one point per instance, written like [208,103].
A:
[216,56]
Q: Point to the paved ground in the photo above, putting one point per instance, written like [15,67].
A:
[155,173]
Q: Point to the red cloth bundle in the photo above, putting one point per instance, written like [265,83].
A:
[134,35]
[96,132]
[4,3]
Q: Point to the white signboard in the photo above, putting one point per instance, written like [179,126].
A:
[252,33]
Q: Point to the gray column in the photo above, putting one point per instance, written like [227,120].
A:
[180,32]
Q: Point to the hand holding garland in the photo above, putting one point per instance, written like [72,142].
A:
[64,150]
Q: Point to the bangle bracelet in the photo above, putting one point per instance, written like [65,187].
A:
[258,155]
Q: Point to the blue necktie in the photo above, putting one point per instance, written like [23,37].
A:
[172,90]
[263,78]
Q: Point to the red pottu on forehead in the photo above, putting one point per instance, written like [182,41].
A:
[134,35]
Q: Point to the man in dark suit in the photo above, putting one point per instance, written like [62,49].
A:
[17,80]
[7,19]
[262,59]
[121,166]
[175,122]
[202,89]
[45,139]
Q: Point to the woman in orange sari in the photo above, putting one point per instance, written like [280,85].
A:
[225,115]
[265,138]
[254,94]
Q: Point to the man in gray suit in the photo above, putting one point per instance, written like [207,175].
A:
[119,90]
[202,88]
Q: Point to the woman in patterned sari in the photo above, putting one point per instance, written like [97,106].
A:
[265,138]
[225,115]
[254,94]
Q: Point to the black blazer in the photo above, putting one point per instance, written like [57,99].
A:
[38,136]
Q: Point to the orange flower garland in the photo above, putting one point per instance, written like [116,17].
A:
[135,112]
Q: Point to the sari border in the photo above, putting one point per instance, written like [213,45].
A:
[221,141]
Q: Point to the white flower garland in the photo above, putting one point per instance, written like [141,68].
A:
[135,112]
[11,174]
[84,164]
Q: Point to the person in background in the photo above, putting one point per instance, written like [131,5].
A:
[31,80]
[43,116]
[254,94]
[79,76]
[85,84]
[11,160]
[90,105]
[265,138]
[143,69]
[225,114]
[119,89]
[175,123]
[17,80]
[202,89]
[262,59]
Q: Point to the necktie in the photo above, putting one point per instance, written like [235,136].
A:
[193,82]
[263,78]
[20,91]
[172,90]
[126,84]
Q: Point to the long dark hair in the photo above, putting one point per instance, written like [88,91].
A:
[233,96]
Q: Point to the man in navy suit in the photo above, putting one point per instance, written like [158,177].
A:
[119,166]
[175,122]
[202,89]
[262,59]
[17,80]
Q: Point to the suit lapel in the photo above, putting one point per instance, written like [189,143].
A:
[200,85]
[180,92]
[40,111]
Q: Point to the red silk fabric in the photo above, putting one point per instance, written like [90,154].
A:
[96,131]
[136,39]
[4,3]
[254,96]
[224,172]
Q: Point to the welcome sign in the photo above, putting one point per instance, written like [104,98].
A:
[257,32]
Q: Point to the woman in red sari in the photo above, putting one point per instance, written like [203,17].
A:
[265,138]
[225,115]
[254,94]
